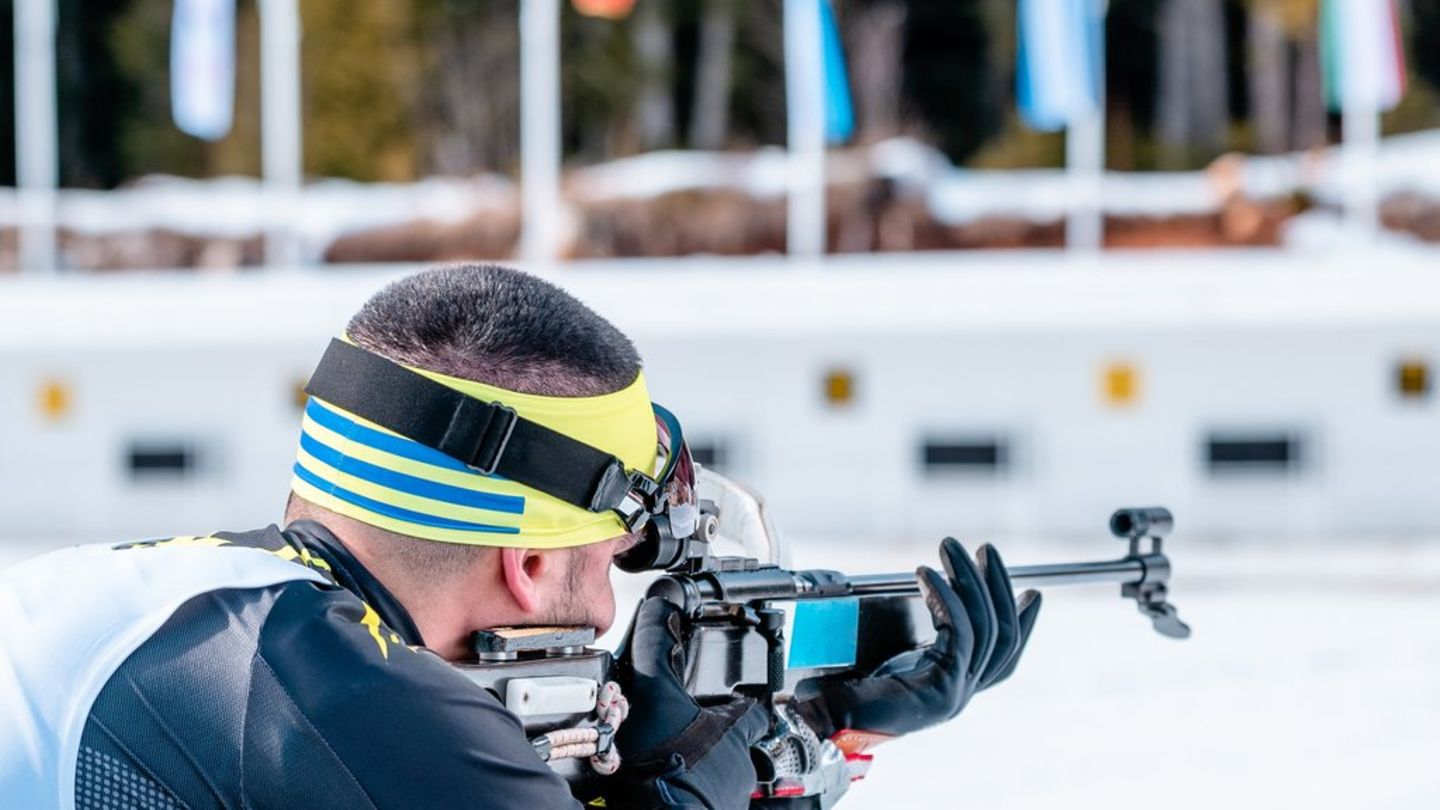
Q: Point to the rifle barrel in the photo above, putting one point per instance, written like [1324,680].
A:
[1126,569]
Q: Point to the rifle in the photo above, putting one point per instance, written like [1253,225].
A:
[758,629]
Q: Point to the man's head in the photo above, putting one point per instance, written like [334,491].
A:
[512,331]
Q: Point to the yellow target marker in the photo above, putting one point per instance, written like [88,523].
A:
[54,400]
[1412,378]
[839,387]
[1120,385]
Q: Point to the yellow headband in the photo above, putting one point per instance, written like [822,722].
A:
[361,470]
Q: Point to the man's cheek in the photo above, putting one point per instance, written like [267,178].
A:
[603,607]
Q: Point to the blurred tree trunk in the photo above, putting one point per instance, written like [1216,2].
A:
[710,115]
[1424,38]
[1269,75]
[89,92]
[654,50]
[1172,105]
[473,91]
[947,86]
[1192,107]
[1310,127]
[758,78]
[359,77]
[1000,18]
[877,51]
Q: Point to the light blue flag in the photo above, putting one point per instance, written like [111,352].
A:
[839,117]
[1058,75]
[202,67]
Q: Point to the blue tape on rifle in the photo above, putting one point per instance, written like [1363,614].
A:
[823,633]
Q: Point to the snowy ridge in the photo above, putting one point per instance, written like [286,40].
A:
[239,206]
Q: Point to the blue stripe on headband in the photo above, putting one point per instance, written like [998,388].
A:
[394,511]
[409,484]
[394,445]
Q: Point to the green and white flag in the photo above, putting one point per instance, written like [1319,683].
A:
[1362,57]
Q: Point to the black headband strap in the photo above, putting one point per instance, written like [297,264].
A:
[488,436]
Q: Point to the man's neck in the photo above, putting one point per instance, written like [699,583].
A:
[435,607]
[351,574]
[446,609]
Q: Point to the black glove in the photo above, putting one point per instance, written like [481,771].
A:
[980,631]
[674,753]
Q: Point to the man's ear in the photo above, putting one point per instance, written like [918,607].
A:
[522,568]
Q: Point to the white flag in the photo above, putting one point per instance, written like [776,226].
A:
[1364,63]
[202,67]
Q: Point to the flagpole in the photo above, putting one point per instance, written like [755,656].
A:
[1085,177]
[805,124]
[1085,162]
[281,159]
[540,153]
[37,159]
[1360,156]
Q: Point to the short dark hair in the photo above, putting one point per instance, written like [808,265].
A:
[498,326]
[494,325]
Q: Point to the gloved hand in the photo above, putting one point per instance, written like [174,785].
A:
[674,753]
[980,631]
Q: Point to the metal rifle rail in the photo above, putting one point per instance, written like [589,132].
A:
[1143,573]
[1122,571]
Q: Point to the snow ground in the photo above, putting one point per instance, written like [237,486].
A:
[1312,681]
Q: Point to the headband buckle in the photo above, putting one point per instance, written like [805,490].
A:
[478,433]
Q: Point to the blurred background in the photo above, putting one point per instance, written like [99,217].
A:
[984,268]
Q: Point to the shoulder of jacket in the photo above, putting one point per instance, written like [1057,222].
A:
[269,539]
